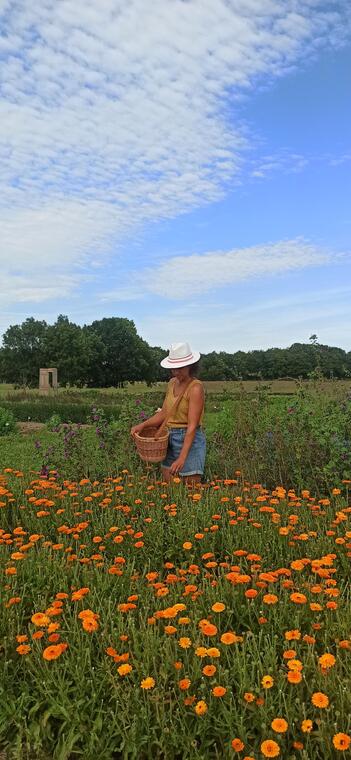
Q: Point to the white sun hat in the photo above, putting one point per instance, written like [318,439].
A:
[180,355]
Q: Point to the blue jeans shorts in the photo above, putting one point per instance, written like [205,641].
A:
[195,461]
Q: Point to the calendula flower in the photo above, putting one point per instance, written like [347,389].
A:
[209,670]
[90,624]
[23,649]
[267,682]
[124,669]
[218,607]
[326,660]
[201,707]
[54,651]
[319,699]
[249,696]
[270,598]
[148,683]
[341,741]
[270,748]
[279,725]
[184,642]
[294,676]
[219,691]
[184,684]
[237,745]
[40,619]
[306,726]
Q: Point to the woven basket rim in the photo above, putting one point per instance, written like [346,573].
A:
[150,438]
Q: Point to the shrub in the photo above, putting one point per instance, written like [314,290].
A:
[7,422]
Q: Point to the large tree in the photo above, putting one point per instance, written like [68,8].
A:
[23,352]
[126,355]
[74,350]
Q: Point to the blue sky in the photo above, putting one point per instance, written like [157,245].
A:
[187,167]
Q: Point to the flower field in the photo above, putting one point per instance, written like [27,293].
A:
[141,620]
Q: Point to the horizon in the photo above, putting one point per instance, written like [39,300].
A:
[185,166]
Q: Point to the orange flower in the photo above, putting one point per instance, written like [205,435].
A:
[209,670]
[54,651]
[295,665]
[184,642]
[270,748]
[201,651]
[249,696]
[238,745]
[293,635]
[294,676]
[298,598]
[319,699]
[147,683]
[23,649]
[184,684]
[124,669]
[219,691]
[327,660]
[270,598]
[213,652]
[209,629]
[218,607]
[90,624]
[306,726]
[230,638]
[201,707]
[267,682]
[279,725]
[40,619]
[341,741]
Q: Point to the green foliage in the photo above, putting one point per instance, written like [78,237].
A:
[301,441]
[53,423]
[7,422]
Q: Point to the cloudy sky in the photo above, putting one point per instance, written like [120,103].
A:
[182,163]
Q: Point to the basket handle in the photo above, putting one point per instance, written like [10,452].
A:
[173,409]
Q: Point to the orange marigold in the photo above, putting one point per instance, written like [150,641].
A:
[341,741]
[319,699]
[279,725]
[237,745]
[270,748]
[148,683]
[219,691]
[267,682]
[201,707]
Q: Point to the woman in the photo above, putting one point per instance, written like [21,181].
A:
[187,443]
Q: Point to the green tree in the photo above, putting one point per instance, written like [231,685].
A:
[74,350]
[127,357]
[23,352]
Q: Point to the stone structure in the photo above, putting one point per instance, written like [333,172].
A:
[48,379]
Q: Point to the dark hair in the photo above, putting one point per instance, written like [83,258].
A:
[194,369]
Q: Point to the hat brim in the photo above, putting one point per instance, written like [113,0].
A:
[167,364]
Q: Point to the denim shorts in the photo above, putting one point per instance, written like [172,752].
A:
[195,461]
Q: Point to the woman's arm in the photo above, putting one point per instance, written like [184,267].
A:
[196,405]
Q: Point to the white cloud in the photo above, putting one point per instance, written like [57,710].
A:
[114,113]
[182,277]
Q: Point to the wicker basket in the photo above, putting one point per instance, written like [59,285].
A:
[149,448]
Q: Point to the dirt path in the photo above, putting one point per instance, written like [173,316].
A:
[29,427]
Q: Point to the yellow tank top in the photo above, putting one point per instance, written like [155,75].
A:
[179,418]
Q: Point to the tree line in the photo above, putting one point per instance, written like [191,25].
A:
[109,352]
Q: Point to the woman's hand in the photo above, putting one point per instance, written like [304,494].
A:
[136,429]
[177,465]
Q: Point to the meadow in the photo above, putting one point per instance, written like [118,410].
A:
[144,620]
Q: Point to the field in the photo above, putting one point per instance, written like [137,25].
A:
[141,620]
